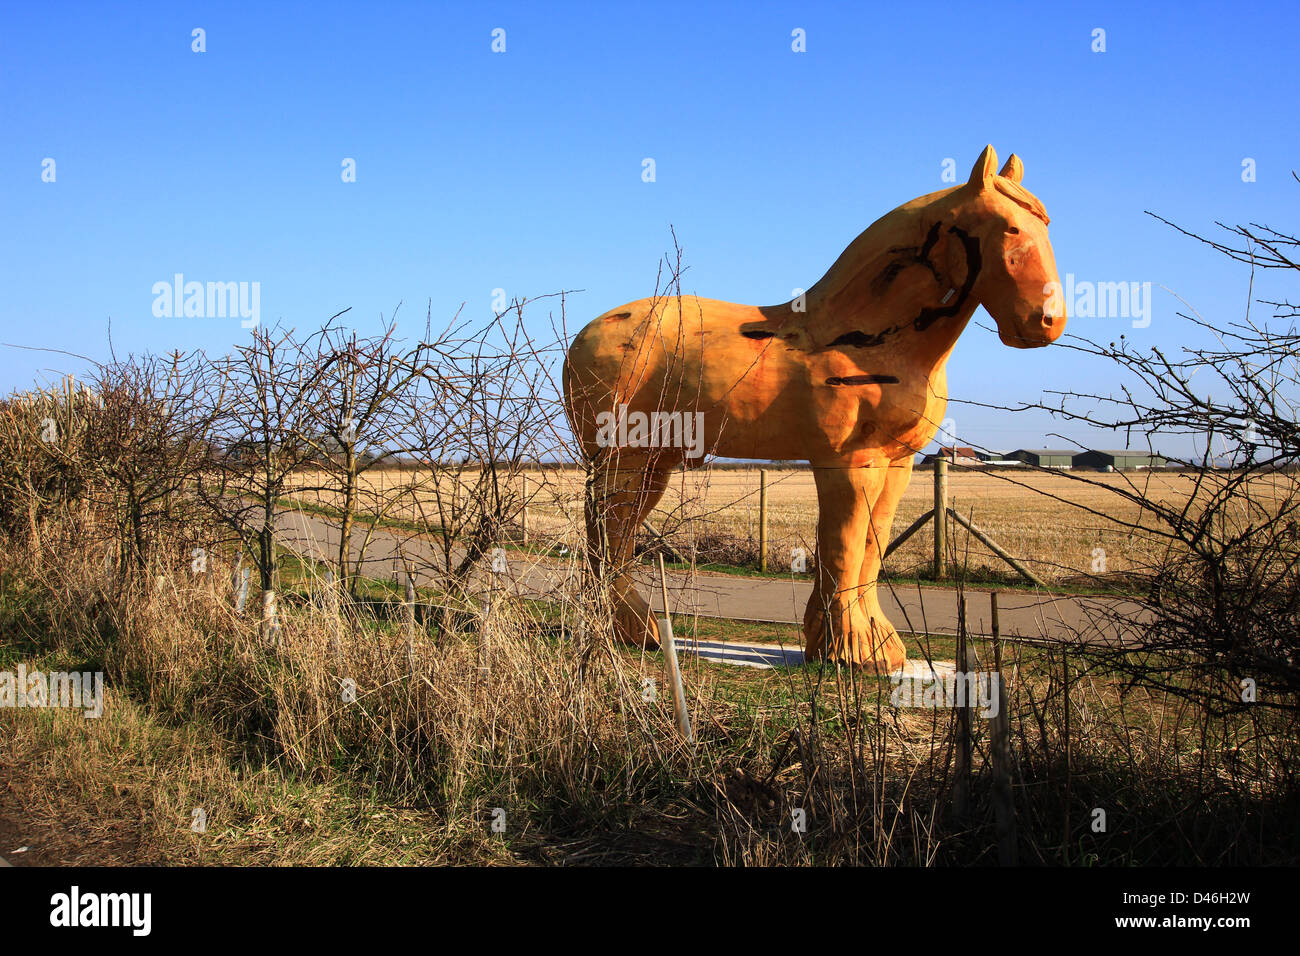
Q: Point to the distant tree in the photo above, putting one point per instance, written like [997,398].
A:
[365,395]
[263,395]
[146,444]
[483,411]
[43,445]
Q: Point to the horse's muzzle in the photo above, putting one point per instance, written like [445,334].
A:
[1039,330]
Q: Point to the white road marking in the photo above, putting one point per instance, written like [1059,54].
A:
[767,656]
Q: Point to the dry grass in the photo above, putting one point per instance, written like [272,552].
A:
[502,711]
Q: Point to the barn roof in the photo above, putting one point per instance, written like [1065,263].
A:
[1121,452]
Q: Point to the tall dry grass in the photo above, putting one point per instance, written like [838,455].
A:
[542,717]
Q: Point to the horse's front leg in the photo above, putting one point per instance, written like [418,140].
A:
[897,477]
[838,623]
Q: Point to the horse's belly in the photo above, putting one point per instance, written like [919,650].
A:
[866,425]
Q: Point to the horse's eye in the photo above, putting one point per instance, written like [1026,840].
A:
[1013,231]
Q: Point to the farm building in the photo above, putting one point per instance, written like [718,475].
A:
[1117,458]
[1045,457]
[955,455]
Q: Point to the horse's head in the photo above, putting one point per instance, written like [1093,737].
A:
[1017,283]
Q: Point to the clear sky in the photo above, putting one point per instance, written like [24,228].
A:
[522,170]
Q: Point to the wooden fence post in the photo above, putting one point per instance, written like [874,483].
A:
[410,621]
[484,664]
[762,520]
[1069,746]
[961,774]
[523,509]
[940,517]
[331,592]
[239,580]
[670,661]
[241,599]
[333,605]
[996,548]
[270,627]
[1004,807]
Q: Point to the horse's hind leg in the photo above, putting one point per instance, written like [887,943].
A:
[619,497]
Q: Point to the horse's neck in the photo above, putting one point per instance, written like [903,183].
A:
[892,292]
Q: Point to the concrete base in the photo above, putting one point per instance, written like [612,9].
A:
[742,654]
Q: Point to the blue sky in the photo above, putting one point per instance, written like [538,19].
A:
[522,170]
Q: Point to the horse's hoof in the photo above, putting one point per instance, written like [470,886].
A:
[871,644]
[637,632]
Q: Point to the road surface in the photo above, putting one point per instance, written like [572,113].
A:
[912,608]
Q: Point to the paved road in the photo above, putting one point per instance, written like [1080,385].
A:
[912,608]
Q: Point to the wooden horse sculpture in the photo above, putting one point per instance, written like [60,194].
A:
[849,377]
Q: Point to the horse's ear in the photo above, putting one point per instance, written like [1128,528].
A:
[1014,170]
[982,172]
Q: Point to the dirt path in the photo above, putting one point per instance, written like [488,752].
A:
[45,823]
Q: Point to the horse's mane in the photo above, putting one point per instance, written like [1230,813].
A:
[1021,196]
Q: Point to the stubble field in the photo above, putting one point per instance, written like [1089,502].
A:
[1066,526]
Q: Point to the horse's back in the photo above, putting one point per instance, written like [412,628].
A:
[654,332]
[657,353]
